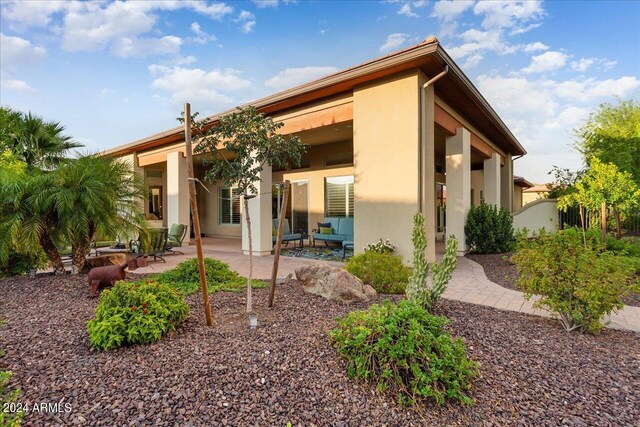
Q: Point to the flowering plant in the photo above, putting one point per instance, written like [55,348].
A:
[381,247]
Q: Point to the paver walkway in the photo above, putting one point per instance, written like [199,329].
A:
[468,284]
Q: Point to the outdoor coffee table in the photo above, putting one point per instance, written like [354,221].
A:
[106,251]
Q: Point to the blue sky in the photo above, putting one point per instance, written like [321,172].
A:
[113,72]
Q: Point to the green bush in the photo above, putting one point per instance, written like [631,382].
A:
[136,313]
[186,277]
[7,397]
[386,273]
[18,264]
[579,283]
[489,230]
[405,350]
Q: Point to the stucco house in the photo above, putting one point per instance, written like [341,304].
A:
[386,138]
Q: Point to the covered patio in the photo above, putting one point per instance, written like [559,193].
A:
[229,250]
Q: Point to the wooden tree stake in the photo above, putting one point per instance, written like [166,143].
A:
[276,255]
[194,213]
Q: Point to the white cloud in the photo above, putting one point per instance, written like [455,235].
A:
[407,8]
[472,61]
[16,51]
[27,14]
[248,27]
[213,89]
[448,10]
[393,42]
[16,85]
[533,47]
[583,64]
[291,77]
[106,91]
[247,20]
[126,47]
[542,113]
[607,65]
[261,4]
[202,37]
[121,27]
[548,61]
[515,15]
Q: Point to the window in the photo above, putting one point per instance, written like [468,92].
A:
[339,196]
[230,206]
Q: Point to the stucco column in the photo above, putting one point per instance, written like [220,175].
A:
[178,211]
[492,180]
[506,183]
[458,154]
[261,221]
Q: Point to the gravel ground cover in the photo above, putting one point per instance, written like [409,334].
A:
[532,372]
[500,270]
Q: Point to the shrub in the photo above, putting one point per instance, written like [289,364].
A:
[8,397]
[489,230]
[405,350]
[18,264]
[381,247]
[418,290]
[136,313]
[186,277]
[386,273]
[580,283]
[8,418]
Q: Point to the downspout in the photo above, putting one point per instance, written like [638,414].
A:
[421,170]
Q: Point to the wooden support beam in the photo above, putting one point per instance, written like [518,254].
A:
[194,214]
[276,255]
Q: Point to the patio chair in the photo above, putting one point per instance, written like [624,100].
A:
[287,235]
[176,236]
[155,244]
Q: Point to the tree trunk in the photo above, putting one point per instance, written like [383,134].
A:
[52,253]
[616,215]
[603,222]
[249,279]
[78,257]
[584,234]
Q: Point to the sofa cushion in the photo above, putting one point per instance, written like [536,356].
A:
[345,227]
[329,237]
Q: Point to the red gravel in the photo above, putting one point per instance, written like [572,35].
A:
[500,270]
[533,373]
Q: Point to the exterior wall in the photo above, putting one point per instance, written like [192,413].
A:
[209,209]
[386,133]
[477,185]
[528,197]
[536,215]
[517,198]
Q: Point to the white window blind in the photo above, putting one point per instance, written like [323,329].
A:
[339,196]
[230,205]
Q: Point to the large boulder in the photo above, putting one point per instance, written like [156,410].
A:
[333,283]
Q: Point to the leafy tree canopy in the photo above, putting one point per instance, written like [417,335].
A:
[612,134]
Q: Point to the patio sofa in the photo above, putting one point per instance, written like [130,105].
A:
[287,235]
[341,231]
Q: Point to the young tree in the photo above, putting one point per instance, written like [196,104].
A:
[237,149]
[612,134]
[39,144]
[602,186]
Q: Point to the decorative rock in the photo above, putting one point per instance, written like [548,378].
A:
[333,283]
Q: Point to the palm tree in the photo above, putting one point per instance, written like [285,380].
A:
[26,222]
[39,144]
[96,195]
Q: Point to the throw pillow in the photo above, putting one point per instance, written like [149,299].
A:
[326,230]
